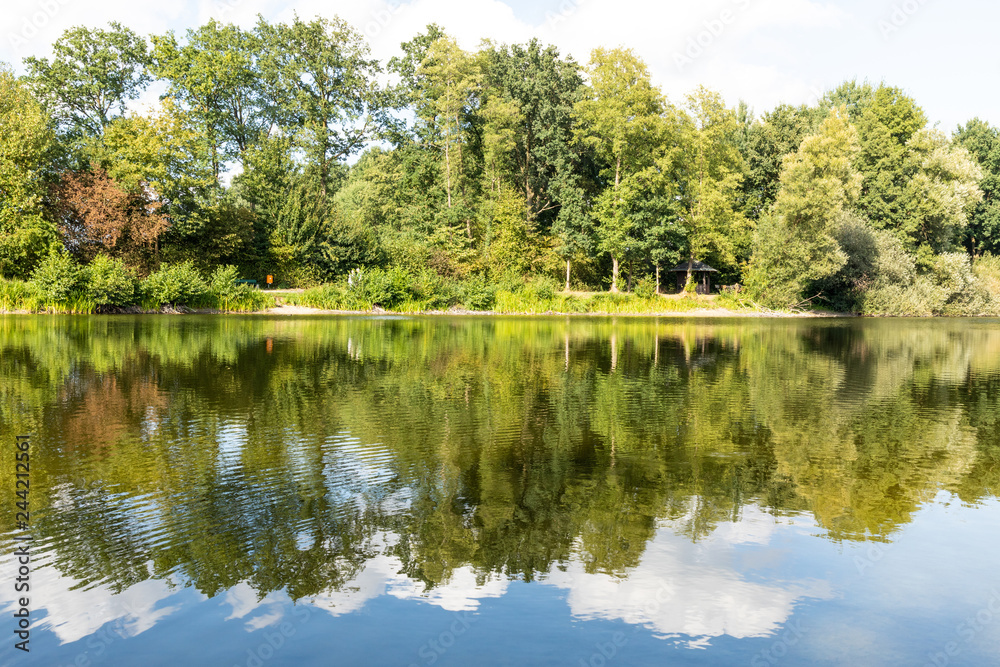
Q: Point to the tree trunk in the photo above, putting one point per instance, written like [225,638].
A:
[447,170]
[690,271]
[614,274]
[657,278]
[567,274]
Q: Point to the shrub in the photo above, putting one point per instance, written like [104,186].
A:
[379,287]
[645,288]
[478,293]
[58,276]
[176,285]
[236,297]
[110,283]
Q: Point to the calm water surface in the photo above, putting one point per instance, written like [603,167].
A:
[462,491]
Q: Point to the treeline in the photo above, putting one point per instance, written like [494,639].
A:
[508,166]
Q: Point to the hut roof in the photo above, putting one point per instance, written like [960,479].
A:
[696,267]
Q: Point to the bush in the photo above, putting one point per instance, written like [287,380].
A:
[965,295]
[176,285]
[58,277]
[110,283]
[645,288]
[379,287]
[236,297]
[478,293]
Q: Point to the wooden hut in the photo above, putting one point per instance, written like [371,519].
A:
[700,272]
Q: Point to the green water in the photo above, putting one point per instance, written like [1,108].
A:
[503,491]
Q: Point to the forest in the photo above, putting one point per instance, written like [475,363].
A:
[502,179]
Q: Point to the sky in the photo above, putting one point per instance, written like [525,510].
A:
[764,52]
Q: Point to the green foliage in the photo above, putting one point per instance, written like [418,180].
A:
[176,285]
[512,163]
[795,245]
[645,288]
[110,283]
[58,277]
[25,143]
[231,296]
[92,76]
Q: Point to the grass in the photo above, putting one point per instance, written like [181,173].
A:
[21,296]
[522,302]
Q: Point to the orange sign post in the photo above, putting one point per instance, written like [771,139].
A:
[270,279]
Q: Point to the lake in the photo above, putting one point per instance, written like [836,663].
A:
[249,491]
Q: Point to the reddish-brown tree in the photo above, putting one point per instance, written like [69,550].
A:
[97,216]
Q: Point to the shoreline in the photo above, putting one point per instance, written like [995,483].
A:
[287,310]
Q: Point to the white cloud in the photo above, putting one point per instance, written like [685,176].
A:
[73,612]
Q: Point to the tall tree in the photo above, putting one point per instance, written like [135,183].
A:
[91,78]
[215,76]
[795,245]
[714,170]
[621,120]
[982,140]
[326,81]
[451,81]
[25,140]
[886,124]
[777,133]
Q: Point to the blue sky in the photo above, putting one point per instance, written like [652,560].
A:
[762,51]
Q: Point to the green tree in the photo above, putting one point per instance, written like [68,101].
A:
[982,140]
[940,193]
[451,80]
[795,246]
[92,76]
[713,170]
[621,120]
[215,75]
[886,124]
[26,138]
[321,74]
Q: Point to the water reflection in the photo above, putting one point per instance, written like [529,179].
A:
[639,467]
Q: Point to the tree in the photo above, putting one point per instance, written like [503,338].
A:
[92,76]
[546,164]
[451,79]
[714,169]
[778,133]
[983,142]
[795,246]
[621,120]
[25,141]
[939,195]
[215,74]
[323,77]
[886,124]
[98,216]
